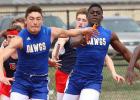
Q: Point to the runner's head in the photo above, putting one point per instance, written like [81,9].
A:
[95,14]
[34,19]
[19,22]
[12,32]
[81,18]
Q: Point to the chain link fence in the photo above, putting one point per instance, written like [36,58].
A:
[111,90]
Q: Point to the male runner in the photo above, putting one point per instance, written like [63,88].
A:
[9,67]
[10,63]
[86,79]
[68,57]
[32,45]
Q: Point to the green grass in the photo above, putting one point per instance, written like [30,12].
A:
[52,93]
[111,90]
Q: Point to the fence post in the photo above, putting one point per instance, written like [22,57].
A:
[68,26]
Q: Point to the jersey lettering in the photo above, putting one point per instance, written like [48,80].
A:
[36,47]
[97,41]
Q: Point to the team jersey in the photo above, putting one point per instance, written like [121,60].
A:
[90,58]
[33,57]
[68,58]
[10,66]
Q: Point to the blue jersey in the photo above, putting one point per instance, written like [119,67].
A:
[33,57]
[90,58]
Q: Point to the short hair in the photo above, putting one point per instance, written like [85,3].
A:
[81,11]
[21,20]
[95,5]
[33,8]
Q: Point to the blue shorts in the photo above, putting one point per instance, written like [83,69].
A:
[34,86]
[75,85]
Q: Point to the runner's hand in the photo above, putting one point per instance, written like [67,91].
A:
[131,76]
[89,32]
[6,80]
[118,78]
[55,63]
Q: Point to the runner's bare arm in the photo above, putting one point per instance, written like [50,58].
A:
[5,54]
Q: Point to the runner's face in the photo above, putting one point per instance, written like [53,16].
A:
[81,21]
[34,21]
[95,15]
[9,37]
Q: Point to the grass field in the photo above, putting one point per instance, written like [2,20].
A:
[111,90]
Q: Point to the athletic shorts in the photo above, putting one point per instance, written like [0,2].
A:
[0,87]
[61,79]
[76,84]
[5,89]
[33,86]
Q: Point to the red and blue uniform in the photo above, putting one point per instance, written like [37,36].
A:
[67,60]
[9,67]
